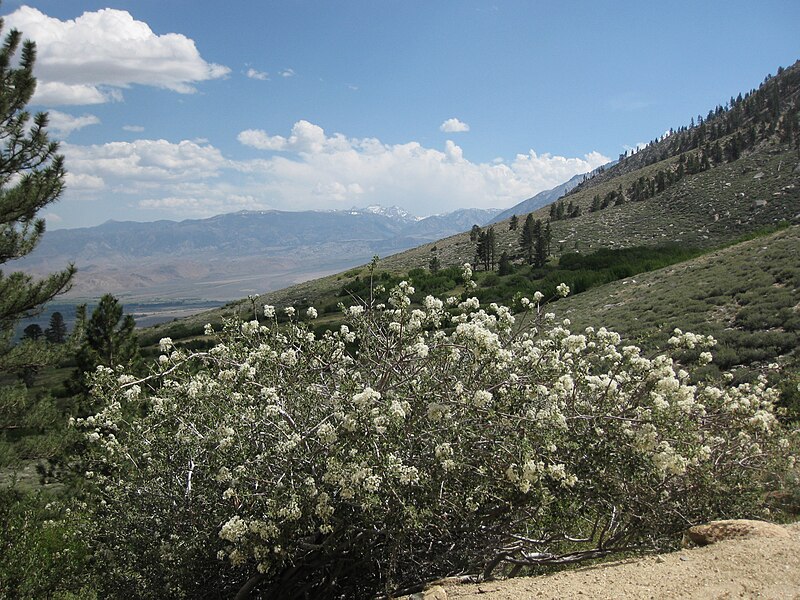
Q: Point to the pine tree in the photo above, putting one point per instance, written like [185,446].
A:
[32,332]
[505,267]
[56,332]
[541,246]
[31,177]
[109,340]
[527,238]
[513,223]
[486,249]
[548,238]
[491,249]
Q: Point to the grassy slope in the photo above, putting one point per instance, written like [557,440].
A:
[746,295]
[708,209]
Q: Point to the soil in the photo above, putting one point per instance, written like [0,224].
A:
[756,567]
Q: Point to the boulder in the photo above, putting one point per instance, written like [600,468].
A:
[435,592]
[731,529]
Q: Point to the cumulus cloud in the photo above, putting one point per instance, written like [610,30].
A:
[255,74]
[310,164]
[62,124]
[307,168]
[83,182]
[453,126]
[53,93]
[145,161]
[306,137]
[287,73]
[88,60]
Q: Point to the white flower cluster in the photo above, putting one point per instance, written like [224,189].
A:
[408,420]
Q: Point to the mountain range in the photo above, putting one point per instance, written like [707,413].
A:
[232,255]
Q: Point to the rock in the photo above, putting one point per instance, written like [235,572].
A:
[436,593]
[758,175]
[433,593]
[716,531]
[759,203]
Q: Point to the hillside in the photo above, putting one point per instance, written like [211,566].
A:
[544,198]
[707,210]
[749,292]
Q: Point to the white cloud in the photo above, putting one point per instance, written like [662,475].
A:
[57,93]
[133,128]
[287,73]
[453,126]
[254,74]
[306,169]
[306,138]
[424,180]
[145,161]
[88,60]
[83,181]
[62,124]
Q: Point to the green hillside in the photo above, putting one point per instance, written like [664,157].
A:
[750,289]
[705,186]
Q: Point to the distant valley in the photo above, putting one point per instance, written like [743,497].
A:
[232,255]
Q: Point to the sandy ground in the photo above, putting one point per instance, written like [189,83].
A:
[744,568]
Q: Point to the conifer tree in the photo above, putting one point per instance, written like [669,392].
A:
[109,340]
[527,238]
[513,223]
[541,248]
[474,233]
[434,264]
[504,266]
[31,177]
[56,332]
[32,332]
[486,249]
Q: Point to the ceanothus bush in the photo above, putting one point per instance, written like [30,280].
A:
[410,443]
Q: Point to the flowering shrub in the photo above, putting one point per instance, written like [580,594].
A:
[408,444]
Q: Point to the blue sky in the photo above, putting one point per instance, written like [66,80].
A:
[187,108]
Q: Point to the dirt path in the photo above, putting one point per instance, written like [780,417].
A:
[745,568]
